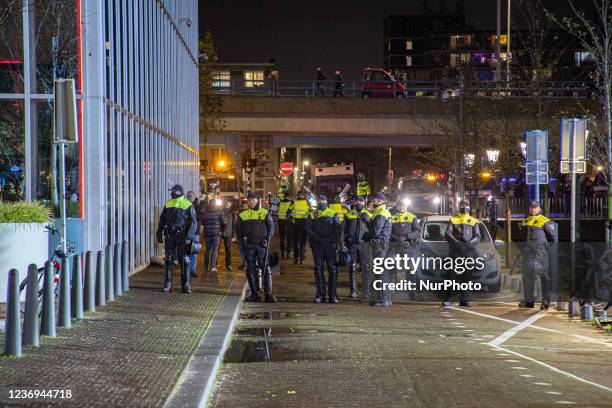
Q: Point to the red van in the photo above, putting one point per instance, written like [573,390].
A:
[378,83]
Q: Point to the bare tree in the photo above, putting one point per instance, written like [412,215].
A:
[595,36]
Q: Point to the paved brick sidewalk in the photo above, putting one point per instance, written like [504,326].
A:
[129,353]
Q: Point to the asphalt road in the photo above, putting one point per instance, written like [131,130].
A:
[417,354]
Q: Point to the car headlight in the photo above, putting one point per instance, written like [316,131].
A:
[436,200]
[406,201]
[218,202]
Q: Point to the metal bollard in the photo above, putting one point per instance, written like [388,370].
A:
[63,308]
[586,313]
[48,303]
[77,288]
[117,271]
[89,303]
[110,287]
[125,272]
[31,330]
[12,323]
[100,280]
[572,309]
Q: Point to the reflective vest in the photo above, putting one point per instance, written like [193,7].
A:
[537,221]
[381,210]
[463,219]
[283,207]
[405,217]
[326,213]
[299,210]
[254,225]
[363,188]
[181,203]
[339,209]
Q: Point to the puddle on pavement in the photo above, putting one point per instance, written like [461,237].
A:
[242,351]
[275,315]
[277,330]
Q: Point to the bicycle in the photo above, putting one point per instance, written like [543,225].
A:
[56,262]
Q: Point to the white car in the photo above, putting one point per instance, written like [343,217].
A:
[433,244]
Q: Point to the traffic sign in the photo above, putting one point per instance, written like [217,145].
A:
[15,169]
[536,164]
[286,168]
[578,166]
[573,139]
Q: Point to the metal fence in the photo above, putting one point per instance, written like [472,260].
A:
[590,207]
[444,90]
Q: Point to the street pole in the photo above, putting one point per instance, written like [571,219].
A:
[461,175]
[62,198]
[252,176]
[298,158]
[389,180]
[498,44]
[508,45]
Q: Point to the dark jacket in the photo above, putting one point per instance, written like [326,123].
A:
[177,220]
[404,227]
[230,226]
[538,228]
[323,228]
[380,225]
[356,226]
[462,235]
[254,227]
[214,221]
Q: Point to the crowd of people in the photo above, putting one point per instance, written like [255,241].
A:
[340,233]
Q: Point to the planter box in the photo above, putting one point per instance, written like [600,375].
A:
[20,245]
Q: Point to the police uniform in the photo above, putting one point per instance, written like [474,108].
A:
[255,229]
[323,229]
[355,230]
[379,235]
[462,235]
[285,227]
[299,214]
[177,229]
[538,230]
[363,188]
[405,231]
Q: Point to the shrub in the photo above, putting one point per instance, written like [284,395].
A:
[25,212]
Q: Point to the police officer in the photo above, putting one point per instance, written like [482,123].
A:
[323,229]
[283,189]
[285,227]
[355,230]
[405,230]
[255,229]
[379,235]
[177,229]
[462,235]
[539,231]
[363,187]
[338,207]
[299,213]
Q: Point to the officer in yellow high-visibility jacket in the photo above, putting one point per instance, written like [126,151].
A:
[298,211]
[338,207]
[463,236]
[405,231]
[539,231]
[363,187]
[285,227]
[379,234]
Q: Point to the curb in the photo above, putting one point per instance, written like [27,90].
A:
[196,383]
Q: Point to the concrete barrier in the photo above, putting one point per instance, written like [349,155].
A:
[48,302]
[31,328]
[12,326]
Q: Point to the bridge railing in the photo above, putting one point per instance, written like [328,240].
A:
[558,207]
[444,90]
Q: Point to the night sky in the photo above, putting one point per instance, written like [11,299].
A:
[304,34]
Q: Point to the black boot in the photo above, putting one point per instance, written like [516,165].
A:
[319,280]
[185,278]
[254,296]
[333,283]
[267,278]
[353,281]
[168,284]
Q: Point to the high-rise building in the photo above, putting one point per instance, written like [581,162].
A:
[135,64]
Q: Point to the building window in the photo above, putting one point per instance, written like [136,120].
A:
[459,59]
[503,40]
[460,41]
[409,44]
[253,78]
[221,79]
[408,61]
[581,56]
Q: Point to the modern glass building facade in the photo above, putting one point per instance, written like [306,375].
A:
[135,63]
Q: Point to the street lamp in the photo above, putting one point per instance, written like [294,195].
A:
[306,163]
[221,163]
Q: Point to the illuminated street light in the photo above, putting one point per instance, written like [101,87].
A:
[524,149]
[221,163]
[485,175]
[295,169]
[306,163]
[599,168]
[492,155]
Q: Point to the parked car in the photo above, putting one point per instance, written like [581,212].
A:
[378,83]
[433,244]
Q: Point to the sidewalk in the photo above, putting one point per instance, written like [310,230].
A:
[129,353]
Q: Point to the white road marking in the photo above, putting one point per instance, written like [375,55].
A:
[527,375]
[512,361]
[554,392]
[519,368]
[503,354]
[565,402]
[575,377]
[502,338]
[543,384]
